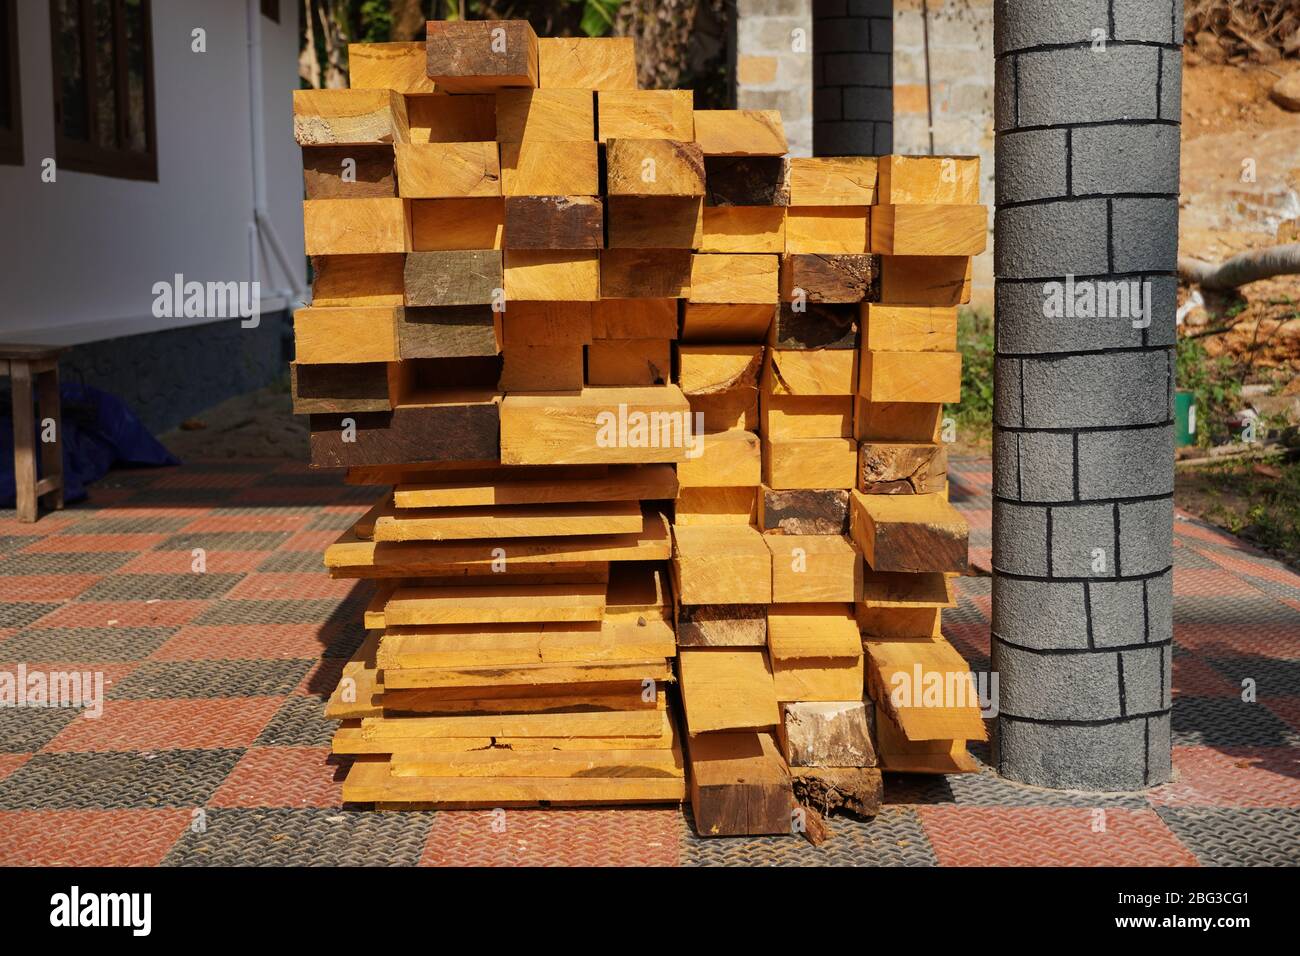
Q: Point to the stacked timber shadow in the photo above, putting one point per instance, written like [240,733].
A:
[637,387]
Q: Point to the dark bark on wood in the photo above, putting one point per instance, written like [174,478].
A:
[463,331]
[858,791]
[804,511]
[816,327]
[408,434]
[467,277]
[832,278]
[554,222]
[815,829]
[354,387]
[722,625]
[886,468]
[463,50]
[323,167]
[746,181]
[645,273]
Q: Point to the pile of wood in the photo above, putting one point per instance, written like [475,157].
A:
[637,386]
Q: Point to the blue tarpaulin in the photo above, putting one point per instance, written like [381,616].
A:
[99,431]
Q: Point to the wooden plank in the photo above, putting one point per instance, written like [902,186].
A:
[621,483]
[902,468]
[323,389]
[722,625]
[545,116]
[735,278]
[357,280]
[827,734]
[726,688]
[813,568]
[646,114]
[726,322]
[447,332]
[721,564]
[930,377]
[740,132]
[400,67]
[537,679]
[552,276]
[705,505]
[740,786]
[945,706]
[711,369]
[629,362]
[931,230]
[541,368]
[576,764]
[655,222]
[488,604]
[925,280]
[817,679]
[454,277]
[345,335]
[465,56]
[598,426]
[746,181]
[909,532]
[587,63]
[349,118]
[608,723]
[809,463]
[448,170]
[812,325]
[441,225]
[546,323]
[833,180]
[909,328]
[891,589]
[451,426]
[806,416]
[645,273]
[554,222]
[354,226]
[509,521]
[348,172]
[913,180]
[826,277]
[743,229]
[729,459]
[804,511]
[654,167]
[550,169]
[352,557]
[634,319]
[803,372]
[896,421]
[452,119]
[354,697]
[829,230]
[813,632]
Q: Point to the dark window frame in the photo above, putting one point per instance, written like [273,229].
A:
[86,156]
[11,136]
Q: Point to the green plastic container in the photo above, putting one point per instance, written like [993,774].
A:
[1184,417]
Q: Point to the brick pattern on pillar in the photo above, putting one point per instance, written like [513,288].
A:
[774,65]
[1087,115]
[853,95]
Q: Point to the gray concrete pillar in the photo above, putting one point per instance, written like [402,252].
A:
[1088,105]
[853,86]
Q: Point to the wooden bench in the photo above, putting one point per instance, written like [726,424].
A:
[33,372]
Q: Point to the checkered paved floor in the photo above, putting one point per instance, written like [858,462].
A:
[211,748]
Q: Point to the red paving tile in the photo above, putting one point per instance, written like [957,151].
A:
[323,677]
[282,777]
[1194,678]
[89,837]
[1240,640]
[628,836]
[1255,568]
[152,613]
[1287,708]
[239,642]
[257,522]
[79,543]
[1202,581]
[980,558]
[1050,836]
[169,725]
[49,523]
[978,519]
[311,541]
[47,587]
[9,763]
[197,478]
[180,562]
[1188,529]
[968,638]
[1231,777]
[302,586]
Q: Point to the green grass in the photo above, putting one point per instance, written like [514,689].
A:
[974,415]
[1258,506]
[1216,386]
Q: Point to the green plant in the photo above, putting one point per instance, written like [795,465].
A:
[1214,386]
[974,414]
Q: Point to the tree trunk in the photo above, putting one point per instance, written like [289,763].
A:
[408,19]
[308,62]
[1242,269]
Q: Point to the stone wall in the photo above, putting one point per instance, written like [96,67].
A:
[774,64]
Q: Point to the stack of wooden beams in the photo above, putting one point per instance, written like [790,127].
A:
[636,386]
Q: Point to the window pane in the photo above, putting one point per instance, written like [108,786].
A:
[137,136]
[105,84]
[73,83]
